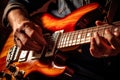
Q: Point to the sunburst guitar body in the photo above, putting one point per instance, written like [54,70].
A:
[53,24]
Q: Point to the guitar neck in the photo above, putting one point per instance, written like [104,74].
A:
[83,36]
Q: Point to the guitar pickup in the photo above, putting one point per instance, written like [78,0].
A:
[23,56]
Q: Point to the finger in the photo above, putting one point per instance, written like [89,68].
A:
[40,34]
[116,32]
[25,42]
[114,41]
[17,41]
[92,45]
[29,47]
[35,35]
[93,48]
[38,29]
[97,38]
[98,22]
[97,45]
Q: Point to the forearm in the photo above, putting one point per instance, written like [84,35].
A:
[16,17]
[10,9]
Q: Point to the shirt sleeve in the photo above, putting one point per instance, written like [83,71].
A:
[27,6]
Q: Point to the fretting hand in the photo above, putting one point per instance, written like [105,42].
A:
[106,46]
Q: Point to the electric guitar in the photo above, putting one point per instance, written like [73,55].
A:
[29,61]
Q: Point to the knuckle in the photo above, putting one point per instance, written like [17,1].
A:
[32,33]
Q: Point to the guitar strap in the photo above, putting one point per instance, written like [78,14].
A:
[112,10]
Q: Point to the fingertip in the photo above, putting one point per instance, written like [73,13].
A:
[98,22]
[107,31]
[92,51]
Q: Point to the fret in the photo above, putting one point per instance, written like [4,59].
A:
[75,35]
[67,39]
[101,31]
[61,40]
[64,40]
[83,36]
[73,38]
[70,39]
[95,29]
[69,42]
[78,37]
[88,35]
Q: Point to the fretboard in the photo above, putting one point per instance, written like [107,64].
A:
[83,36]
